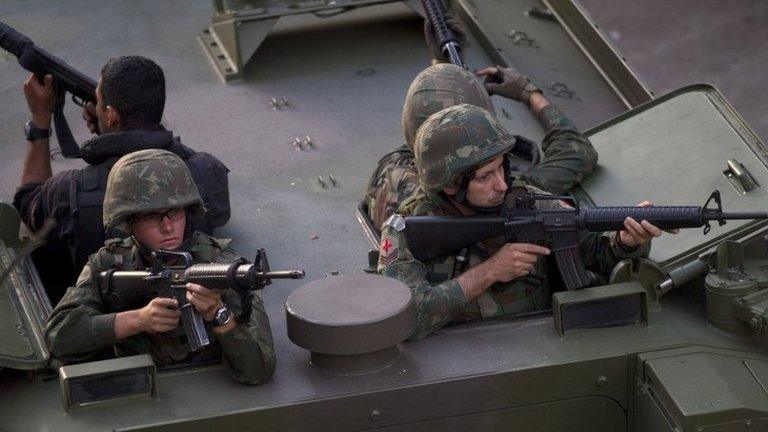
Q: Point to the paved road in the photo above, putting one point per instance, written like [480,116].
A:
[673,43]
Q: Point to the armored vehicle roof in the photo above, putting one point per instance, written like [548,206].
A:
[344,79]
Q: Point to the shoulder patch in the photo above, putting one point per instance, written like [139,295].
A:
[388,250]
[396,222]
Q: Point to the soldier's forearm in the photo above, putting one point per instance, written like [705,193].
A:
[538,102]
[37,162]
[476,280]
[127,324]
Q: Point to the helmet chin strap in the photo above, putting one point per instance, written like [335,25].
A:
[461,195]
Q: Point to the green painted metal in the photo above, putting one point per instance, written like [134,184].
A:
[345,79]
[704,389]
[601,295]
[649,153]
[115,374]
[21,340]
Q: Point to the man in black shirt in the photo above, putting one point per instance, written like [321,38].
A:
[130,99]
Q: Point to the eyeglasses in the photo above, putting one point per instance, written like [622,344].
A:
[156,218]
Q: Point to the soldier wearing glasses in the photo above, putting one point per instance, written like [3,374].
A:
[151,195]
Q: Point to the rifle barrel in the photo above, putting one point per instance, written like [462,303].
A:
[745,215]
[665,217]
[11,40]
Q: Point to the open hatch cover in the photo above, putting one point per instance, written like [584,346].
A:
[675,150]
[24,307]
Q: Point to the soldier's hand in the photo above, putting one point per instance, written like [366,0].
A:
[206,301]
[637,234]
[515,260]
[507,82]
[159,316]
[41,99]
[433,44]
[90,118]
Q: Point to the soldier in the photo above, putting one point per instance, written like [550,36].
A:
[467,165]
[436,87]
[130,99]
[568,155]
[151,194]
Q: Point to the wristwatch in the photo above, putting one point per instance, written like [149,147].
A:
[223,316]
[33,134]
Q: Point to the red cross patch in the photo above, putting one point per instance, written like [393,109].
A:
[388,251]
[386,246]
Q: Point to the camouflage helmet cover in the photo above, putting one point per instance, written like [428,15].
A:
[148,181]
[455,140]
[437,87]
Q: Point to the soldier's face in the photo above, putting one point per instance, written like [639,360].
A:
[489,185]
[163,230]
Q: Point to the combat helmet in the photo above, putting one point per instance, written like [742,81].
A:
[437,87]
[455,141]
[148,181]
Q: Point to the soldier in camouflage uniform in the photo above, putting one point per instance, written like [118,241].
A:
[151,194]
[467,165]
[436,87]
[568,156]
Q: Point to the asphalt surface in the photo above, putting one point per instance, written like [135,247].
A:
[673,43]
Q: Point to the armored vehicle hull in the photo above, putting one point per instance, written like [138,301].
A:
[344,79]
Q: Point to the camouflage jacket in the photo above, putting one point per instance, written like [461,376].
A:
[80,326]
[440,299]
[568,158]
[394,180]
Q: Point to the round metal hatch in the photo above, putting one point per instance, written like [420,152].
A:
[351,324]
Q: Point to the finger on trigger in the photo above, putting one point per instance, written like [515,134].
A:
[533,248]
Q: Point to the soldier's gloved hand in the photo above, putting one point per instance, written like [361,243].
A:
[637,234]
[507,82]
[90,118]
[41,99]
[453,24]
[159,316]
[515,260]
[206,301]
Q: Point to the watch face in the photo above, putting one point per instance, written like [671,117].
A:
[223,315]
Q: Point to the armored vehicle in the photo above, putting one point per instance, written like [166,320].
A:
[302,99]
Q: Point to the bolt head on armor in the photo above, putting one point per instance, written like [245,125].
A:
[437,87]
[148,181]
[456,140]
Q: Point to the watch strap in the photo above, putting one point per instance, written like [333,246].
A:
[33,133]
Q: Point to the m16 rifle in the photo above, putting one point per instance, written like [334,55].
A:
[130,289]
[432,236]
[444,36]
[66,79]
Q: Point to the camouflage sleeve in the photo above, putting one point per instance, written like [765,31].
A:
[248,350]
[249,355]
[77,328]
[39,201]
[436,304]
[601,251]
[568,158]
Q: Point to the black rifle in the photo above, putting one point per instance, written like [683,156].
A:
[131,289]
[432,236]
[66,79]
[446,40]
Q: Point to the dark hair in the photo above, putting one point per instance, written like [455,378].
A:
[135,87]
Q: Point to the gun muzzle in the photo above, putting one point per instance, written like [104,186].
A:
[284,274]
